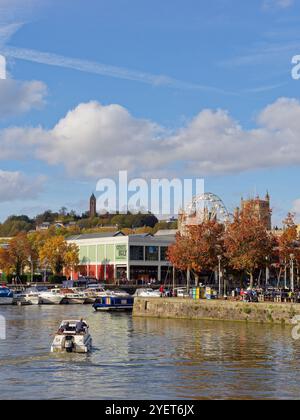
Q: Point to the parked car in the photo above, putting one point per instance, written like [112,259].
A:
[182,292]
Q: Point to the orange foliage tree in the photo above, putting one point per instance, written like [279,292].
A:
[18,255]
[198,250]
[288,242]
[248,243]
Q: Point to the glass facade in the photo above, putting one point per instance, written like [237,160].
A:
[163,253]
[137,253]
[100,254]
[83,254]
[151,253]
[143,274]
[110,252]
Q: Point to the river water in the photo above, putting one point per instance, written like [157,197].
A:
[146,358]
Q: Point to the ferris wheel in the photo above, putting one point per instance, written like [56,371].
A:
[206,207]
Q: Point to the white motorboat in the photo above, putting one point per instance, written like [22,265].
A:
[52,297]
[74,297]
[6,296]
[93,293]
[71,340]
[149,293]
[30,296]
[117,293]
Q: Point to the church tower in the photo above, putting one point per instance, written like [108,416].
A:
[93,206]
[261,207]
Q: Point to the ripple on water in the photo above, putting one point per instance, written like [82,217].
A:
[146,358]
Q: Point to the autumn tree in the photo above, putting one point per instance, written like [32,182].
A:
[248,243]
[198,250]
[58,254]
[17,255]
[71,257]
[288,242]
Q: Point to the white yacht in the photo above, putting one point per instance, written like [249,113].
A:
[93,293]
[74,296]
[117,293]
[52,297]
[149,293]
[69,339]
[30,296]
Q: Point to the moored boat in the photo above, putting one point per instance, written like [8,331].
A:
[52,297]
[114,303]
[72,337]
[74,297]
[30,297]
[93,293]
[149,293]
[6,296]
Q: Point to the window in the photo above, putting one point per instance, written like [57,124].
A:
[137,253]
[163,253]
[151,253]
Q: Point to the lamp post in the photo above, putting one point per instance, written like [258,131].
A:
[188,280]
[219,274]
[285,274]
[31,263]
[45,271]
[267,271]
[292,256]
[225,284]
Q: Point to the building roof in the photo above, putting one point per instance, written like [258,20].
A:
[166,232]
[142,237]
[95,236]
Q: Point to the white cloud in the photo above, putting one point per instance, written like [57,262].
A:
[281,4]
[7,31]
[95,141]
[106,70]
[15,10]
[15,186]
[18,97]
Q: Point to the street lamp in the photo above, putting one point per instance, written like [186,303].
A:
[45,270]
[31,263]
[292,256]
[267,271]
[219,274]
[225,283]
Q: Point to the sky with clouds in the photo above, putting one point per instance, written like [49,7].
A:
[172,89]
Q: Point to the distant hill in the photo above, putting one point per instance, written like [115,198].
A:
[70,221]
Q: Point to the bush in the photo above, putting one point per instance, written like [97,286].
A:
[25,278]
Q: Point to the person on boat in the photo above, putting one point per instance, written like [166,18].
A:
[64,328]
[81,326]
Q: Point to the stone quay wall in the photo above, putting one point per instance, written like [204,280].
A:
[264,312]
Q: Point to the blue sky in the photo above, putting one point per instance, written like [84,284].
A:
[173,88]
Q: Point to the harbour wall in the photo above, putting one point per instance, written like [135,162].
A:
[264,313]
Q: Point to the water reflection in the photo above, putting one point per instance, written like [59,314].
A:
[147,358]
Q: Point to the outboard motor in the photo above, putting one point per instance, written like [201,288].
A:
[69,344]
